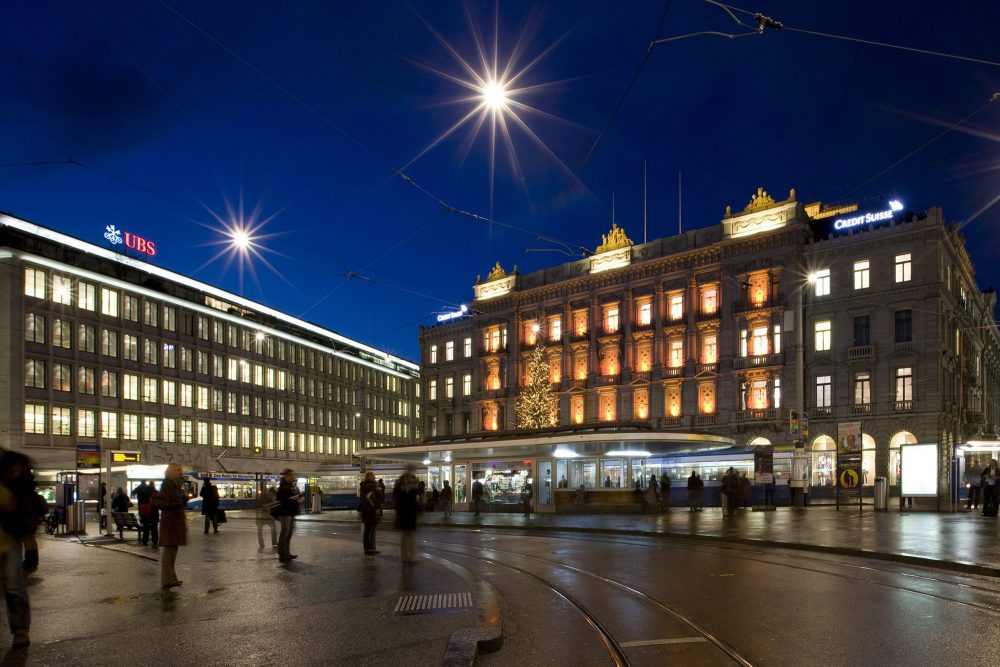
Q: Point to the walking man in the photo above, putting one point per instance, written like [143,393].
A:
[265,503]
[149,516]
[447,498]
[288,508]
[171,500]
[210,504]
[477,494]
[526,498]
[664,492]
[368,504]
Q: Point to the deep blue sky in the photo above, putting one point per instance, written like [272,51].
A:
[170,125]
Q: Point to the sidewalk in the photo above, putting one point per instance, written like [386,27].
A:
[964,542]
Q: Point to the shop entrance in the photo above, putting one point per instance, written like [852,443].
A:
[503,482]
[544,498]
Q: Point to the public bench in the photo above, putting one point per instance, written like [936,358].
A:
[125,521]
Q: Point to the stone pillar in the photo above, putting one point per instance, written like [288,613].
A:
[628,349]
[658,315]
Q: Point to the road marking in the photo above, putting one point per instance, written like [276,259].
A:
[660,642]
[410,603]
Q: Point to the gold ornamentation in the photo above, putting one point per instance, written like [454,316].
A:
[614,240]
[496,273]
[759,201]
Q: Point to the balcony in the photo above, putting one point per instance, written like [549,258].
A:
[640,375]
[494,349]
[708,368]
[861,409]
[759,415]
[639,326]
[606,380]
[579,335]
[817,412]
[754,360]
[673,372]
[490,394]
[861,352]
[671,422]
[706,420]
[702,315]
[745,305]
[904,406]
[903,346]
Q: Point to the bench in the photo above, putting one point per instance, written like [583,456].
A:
[125,521]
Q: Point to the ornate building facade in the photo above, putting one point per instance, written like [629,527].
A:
[840,314]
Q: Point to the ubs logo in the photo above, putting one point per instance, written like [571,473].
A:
[131,241]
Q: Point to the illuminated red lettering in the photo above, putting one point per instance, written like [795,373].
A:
[150,248]
[139,244]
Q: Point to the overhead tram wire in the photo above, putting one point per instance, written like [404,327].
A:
[597,141]
[406,178]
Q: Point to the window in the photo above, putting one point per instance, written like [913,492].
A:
[822,282]
[904,384]
[85,423]
[34,373]
[777,339]
[109,302]
[150,313]
[34,418]
[862,330]
[34,285]
[758,395]
[645,313]
[204,327]
[709,349]
[203,401]
[187,395]
[130,427]
[904,326]
[109,343]
[86,339]
[903,268]
[862,274]
[149,389]
[676,353]
[449,387]
[555,330]
[862,388]
[822,331]
[34,328]
[169,429]
[187,363]
[744,347]
[709,301]
[467,384]
[434,354]
[62,421]
[169,392]
[824,391]
[130,350]
[169,356]
[187,430]
[109,384]
[150,427]
[449,351]
[149,355]
[169,318]
[131,308]
[62,333]
[611,319]
[676,306]
[86,380]
[468,348]
[130,386]
[432,390]
[760,342]
[109,425]
[86,296]
[62,290]
[62,377]
[777,392]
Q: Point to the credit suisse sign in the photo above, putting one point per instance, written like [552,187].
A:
[131,241]
[843,224]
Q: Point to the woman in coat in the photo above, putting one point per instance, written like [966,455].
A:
[171,501]
[369,500]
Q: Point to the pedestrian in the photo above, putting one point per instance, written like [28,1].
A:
[102,506]
[693,492]
[18,518]
[407,504]
[286,510]
[563,483]
[989,484]
[381,490]
[120,501]
[973,481]
[368,503]
[769,493]
[477,494]
[744,492]
[607,482]
[41,511]
[665,492]
[447,498]
[171,500]
[652,494]
[149,516]
[526,498]
[731,489]
[266,501]
[210,504]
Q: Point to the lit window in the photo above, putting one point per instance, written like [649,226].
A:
[706,398]
[862,388]
[449,351]
[85,422]
[777,339]
[824,391]
[130,427]
[34,418]
[645,313]
[904,384]
[758,394]
[87,296]
[611,319]
[62,375]
[777,392]
[170,429]
[580,323]
[109,425]
[432,390]
[709,301]
[434,354]
[34,328]
[109,302]
[62,290]
[903,268]
[62,332]
[34,285]
[822,282]
[150,429]
[131,308]
[34,373]
[151,314]
[449,387]
[709,350]
[467,384]
[822,336]
[86,381]
[760,341]
[109,384]
[62,421]
[676,306]
[468,348]
[676,353]
[555,329]
[862,274]
[130,387]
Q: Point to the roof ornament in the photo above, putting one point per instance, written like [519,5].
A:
[614,240]
[759,201]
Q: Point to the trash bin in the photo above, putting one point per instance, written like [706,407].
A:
[881,494]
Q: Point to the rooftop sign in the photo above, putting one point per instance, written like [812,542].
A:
[841,224]
[130,240]
[454,315]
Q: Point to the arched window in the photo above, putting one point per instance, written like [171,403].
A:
[758,442]
[824,461]
[901,438]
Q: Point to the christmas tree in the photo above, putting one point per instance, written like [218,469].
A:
[536,406]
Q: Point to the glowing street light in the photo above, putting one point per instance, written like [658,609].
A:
[494,96]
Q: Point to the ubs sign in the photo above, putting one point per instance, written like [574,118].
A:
[841,224]
[131,241]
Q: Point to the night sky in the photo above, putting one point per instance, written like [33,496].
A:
[152,116]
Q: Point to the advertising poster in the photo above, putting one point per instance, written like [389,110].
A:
[763,465]
[849,437]
[88,456]
[849,472]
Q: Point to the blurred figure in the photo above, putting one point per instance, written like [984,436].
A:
[102,507]
[171,500]
[149,516]
[477,494]
[120,501]
[695,486]
[368,504]
[266,502]
[18,518]
[744,492]
[989,484]
[287,509]
[407,504]
[210,504]
[665,492]
[447,498]
[652,494]
[381,490]
[526,498]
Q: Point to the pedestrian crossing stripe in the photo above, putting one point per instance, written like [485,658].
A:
[410,603]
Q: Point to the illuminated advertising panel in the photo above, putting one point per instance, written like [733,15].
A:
[919,469]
